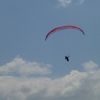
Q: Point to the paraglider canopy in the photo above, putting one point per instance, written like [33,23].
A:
[63,27]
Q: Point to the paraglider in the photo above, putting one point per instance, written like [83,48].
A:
[67,58]
[62,28]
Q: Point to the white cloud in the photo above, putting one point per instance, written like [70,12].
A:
[90,66]
[65,3]
[74,86]
[22,67]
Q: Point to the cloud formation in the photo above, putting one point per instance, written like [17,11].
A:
[65,3]
[22,67]
[74,86]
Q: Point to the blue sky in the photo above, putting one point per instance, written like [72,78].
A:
[27,60]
